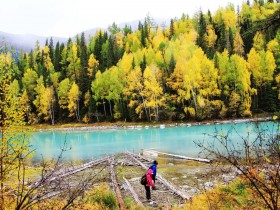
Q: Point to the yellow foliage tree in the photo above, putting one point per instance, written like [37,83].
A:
[29,82]
[238,45]
[62,92]
[210,36]
[93,65]
[152,91]
[13,137]
[74,66]
[73,101]
[134,90]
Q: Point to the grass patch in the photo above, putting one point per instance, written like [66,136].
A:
[237,195]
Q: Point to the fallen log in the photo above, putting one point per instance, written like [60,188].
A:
[162,180]
[181,156]
[138,156]
[137,161]
[116,187]
[172,187]
[135,196]
[78,169]
[82,167]
[62,174]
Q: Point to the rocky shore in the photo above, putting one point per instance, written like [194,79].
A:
[158,125]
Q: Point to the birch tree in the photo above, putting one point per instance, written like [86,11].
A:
[152,91]
[73,101]
[134,90]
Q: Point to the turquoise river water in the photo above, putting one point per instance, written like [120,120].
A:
[92,144]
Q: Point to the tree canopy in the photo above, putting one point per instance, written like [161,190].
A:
[225,64]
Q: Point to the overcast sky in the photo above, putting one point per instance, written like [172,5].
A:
[66,18]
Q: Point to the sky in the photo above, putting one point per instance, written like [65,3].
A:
[66,18]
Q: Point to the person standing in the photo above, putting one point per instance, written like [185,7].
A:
[154,168]
[150,182]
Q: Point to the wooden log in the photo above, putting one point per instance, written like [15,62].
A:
[170,186]
[181,156]
[139,156]
[61,174]
[78,169]
[137,161]
[135,196]
[81,167]
[116,187]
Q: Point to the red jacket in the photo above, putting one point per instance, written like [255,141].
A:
[150,181]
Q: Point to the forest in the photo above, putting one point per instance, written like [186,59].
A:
[209,66]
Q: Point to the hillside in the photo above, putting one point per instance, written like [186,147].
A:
[26,42]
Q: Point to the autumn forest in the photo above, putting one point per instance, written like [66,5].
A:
[209,66]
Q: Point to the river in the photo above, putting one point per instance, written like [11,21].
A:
[92,144]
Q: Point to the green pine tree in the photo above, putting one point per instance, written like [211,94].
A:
[51,48]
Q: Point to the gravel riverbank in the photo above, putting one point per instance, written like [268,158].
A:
[151,125]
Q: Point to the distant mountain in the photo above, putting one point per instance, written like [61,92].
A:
[26,42]
[132,24]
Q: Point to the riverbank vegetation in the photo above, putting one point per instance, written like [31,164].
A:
[209,66]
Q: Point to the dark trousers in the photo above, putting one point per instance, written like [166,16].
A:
[154,178]
[148,192]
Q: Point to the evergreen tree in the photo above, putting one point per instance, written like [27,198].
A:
[31,59]
[143,37]
[63,64]
[61,47]
[83,52]
[210,17]
[171,65]
[105,37]
[114,29]
[47,42]
[230,42]
[171,29]
[201,31]
[22,63]
[133,63]
[51,50]
[127,30]
[140,25]
[69,44]
[222,38]
[110,53]
[57,57]
[246,25]
[267,100]
[98,47]
[40,62]
[78,41]
[143,64]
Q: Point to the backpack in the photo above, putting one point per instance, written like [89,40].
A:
[143,180]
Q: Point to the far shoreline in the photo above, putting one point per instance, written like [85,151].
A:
[139,125]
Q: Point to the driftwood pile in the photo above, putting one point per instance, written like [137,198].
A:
[52,182]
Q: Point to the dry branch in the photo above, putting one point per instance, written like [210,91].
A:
[135,196]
